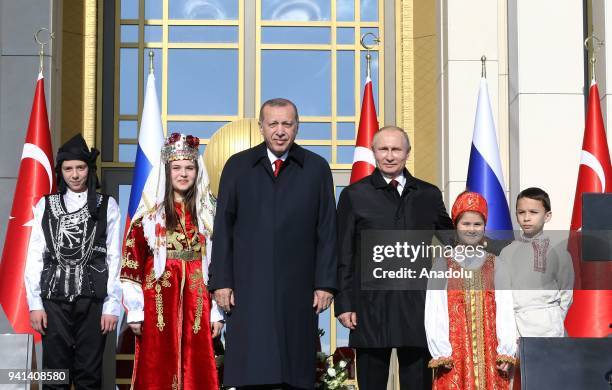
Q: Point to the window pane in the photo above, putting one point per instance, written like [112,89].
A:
[203,81]
[153,33]
[127,153]
[302,76]
[345,10]
[124,198]
[215,34]
[345,35]
[369,10]
[374,76]
[345,131]
[153,9]
[128,82]
[315,35]
[129,9]
[314,130]
[308,10]
[157,69]
[345,82]
[323,151]
[344,154]
[338,192]
[369,40]
[342,335]
[324,324]
[199,9]
[129,33]
[128,129]
[199,129]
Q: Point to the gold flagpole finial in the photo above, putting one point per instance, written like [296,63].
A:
[41,53]
[483,71]
[593,43]
[151,55]
[376,41]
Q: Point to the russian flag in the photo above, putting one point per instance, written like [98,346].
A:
[150,140]
[484,171]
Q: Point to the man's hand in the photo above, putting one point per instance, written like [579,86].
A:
[108,323]
[136,328]
[322,300]
[215,328]
[38,321]
[225,299]
[348,319]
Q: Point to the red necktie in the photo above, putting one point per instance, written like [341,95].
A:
[394,183]
[277,166]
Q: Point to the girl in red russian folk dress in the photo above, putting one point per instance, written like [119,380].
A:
[471,332]
[164,273]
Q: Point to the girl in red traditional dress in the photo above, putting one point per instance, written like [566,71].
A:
[164,274]
[471,333]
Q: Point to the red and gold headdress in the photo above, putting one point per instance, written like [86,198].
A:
[180,147]
[469,201]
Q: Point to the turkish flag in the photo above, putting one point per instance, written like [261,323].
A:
[363,157]
[591,312]
[35,179]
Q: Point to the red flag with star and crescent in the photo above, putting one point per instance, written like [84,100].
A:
[363,157]
[590,314]
[35,178]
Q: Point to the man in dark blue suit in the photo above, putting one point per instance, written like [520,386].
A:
[274,255]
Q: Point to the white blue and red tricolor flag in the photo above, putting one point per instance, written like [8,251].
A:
[150,140]
[485,171]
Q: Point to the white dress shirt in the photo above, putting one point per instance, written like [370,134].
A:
[272,157]
[401,182]
[37,246]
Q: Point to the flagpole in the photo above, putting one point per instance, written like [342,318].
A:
[363,157]
[596,44]
[151,67]
[483,72]
[368,48]
[41,53]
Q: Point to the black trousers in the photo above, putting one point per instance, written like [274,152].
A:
[74,341]
[373,368]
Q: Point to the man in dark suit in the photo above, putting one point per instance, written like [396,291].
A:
[274,255]
[389,199]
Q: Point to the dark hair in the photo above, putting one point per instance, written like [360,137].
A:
[190,201]
[279,102]
[535,193]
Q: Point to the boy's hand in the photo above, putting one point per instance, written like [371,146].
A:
[136,328]
[38,321]
[108,323]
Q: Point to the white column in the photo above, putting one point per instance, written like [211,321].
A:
[470,29]
[546,100]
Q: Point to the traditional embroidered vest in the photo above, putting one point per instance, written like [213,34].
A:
[74,262]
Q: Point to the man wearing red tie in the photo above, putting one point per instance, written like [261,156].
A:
[273,266]
[380,320]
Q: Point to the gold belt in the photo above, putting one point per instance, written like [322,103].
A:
[184,255]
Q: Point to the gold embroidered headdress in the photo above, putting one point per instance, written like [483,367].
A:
[180,147]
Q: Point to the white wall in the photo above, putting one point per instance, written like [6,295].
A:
[546,100]
[468,30]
